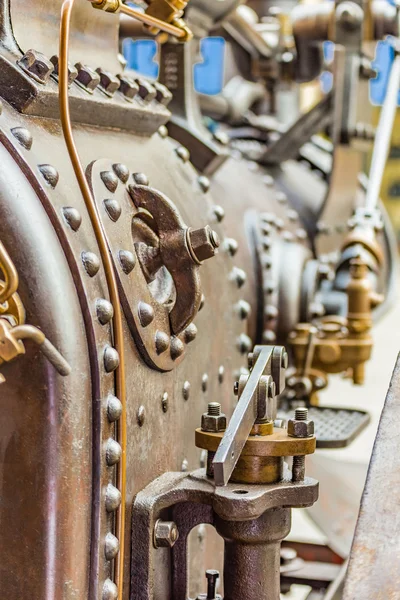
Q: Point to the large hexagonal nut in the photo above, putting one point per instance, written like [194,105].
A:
[37,65]
[213,423]
[165,534]
[300,429]
[203,242]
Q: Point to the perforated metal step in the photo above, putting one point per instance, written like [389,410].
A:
[334,427]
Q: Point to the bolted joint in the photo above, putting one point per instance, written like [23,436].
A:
[165,534]
[203,243]
[72,70]
[213,420]
[163,95]
[127,86]
[300,426]
[87,78]
[108,82]
[37,65]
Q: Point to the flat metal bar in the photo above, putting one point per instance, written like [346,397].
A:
[241,422]
[375,554]
[383,137]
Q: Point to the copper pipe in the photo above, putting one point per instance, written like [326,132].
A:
[152,21]
[10,275]
[66,10]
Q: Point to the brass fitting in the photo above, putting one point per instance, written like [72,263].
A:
[341,344]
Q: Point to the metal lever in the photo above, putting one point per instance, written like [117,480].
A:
[11,345]
[267,360]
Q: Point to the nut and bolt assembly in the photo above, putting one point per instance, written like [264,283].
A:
[212,421]
[165,534]
[203,243]
[300,427]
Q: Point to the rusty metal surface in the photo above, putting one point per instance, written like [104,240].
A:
[374,559]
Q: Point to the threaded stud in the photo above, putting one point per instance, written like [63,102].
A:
[214,409]
[301,414]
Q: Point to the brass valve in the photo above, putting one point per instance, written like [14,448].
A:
[336,344]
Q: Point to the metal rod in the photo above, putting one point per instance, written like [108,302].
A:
[383,137]
[10,275]
[152,21]
[241,422]
[118,334]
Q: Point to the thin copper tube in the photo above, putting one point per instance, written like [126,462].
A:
[66,10]
[152,21]
[10,274]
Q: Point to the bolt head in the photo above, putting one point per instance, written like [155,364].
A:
[165,534]
[87,78]
[37,65]
[127,86]
[108,83]
[163,95]
[204,242]
[300,429]
[146,91]
[213,423]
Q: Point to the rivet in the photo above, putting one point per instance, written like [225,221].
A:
[204,183]
[281,197]
[266,243]
[146,313]
[113,498]
[113,452]
[204,382]
[279,224]
[121,171]
[127,260]
[72,217]
[114,408]
[221,373]
[266,262]
[183,153]
[268,218]
[110,180]
[91,262]
[185,465]
[186,390]
[270,312]
[218,212]
[269,336]
[140,178]
[288,236]
[301,234]
[104,310]
[230,245]
[190,333]
[164,402]
[266,228]
[23,136]
[140,416]
[113,209]
[111,546]
[50,174]
[292,215]
[269,287]
[243,343]
[177,348]
[110,590]
[243,309]
[202,300]
[238,276]
[163,131]
[268,180]
[111,359]
[162,342]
